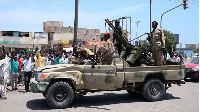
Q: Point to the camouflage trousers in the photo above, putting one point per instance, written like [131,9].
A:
[156,55]
[107,59]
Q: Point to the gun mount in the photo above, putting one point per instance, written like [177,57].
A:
[135,56]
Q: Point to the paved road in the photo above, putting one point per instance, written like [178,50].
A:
[177,99]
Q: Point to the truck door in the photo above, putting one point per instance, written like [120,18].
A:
[101,77]
[105,77]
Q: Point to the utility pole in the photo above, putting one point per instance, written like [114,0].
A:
[150,17]
[137,32]
[185,4]
[75,26]
[180,46]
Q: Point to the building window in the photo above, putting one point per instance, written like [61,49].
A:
[7,33]
[23,34]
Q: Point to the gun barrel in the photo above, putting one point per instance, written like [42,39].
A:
[138,37]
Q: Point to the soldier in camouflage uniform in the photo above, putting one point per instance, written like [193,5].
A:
[157,44]
[107,55]
[116,41]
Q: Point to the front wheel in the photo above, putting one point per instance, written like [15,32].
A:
[60,95]
[153,90]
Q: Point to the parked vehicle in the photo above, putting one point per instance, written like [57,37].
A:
[192,69]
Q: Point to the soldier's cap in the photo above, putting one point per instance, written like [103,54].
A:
[106,33]
[154,22]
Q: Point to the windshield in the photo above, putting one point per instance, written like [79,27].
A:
[195,60]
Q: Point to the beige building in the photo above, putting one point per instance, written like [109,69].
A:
[64,35]
[195,46]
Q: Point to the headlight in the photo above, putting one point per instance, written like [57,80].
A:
[42,76]
[196,68]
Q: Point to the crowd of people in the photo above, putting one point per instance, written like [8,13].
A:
[176,57]
[17,68]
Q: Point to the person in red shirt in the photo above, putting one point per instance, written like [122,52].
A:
[19,60]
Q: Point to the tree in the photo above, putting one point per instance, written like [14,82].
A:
[196,50]
[143,42]
[170,41]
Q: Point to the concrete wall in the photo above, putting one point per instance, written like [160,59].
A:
[83,33]
[89,34]
[48,24]
[56,37]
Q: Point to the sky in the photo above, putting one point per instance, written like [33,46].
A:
[29,15]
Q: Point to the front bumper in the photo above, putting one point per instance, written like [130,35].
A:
[38,87]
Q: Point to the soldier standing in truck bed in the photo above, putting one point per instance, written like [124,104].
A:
[157,44]
[116,40]
[107,55]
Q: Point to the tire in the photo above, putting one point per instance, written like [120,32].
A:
[59,95]
[153,90]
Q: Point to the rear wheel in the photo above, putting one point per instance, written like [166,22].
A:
[59,95]
[153,90]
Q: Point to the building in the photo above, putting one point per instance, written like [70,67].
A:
[188,51]
[53,34]
[195,46]
[20,40]
[65,35]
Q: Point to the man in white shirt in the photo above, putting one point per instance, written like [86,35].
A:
[176,58]
[168,56]
[27,71]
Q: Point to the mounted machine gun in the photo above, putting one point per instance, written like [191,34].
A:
[135,56]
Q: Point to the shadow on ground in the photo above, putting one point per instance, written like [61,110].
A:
[96,101]
[37,104]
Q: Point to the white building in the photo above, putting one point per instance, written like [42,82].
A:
[21,40]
